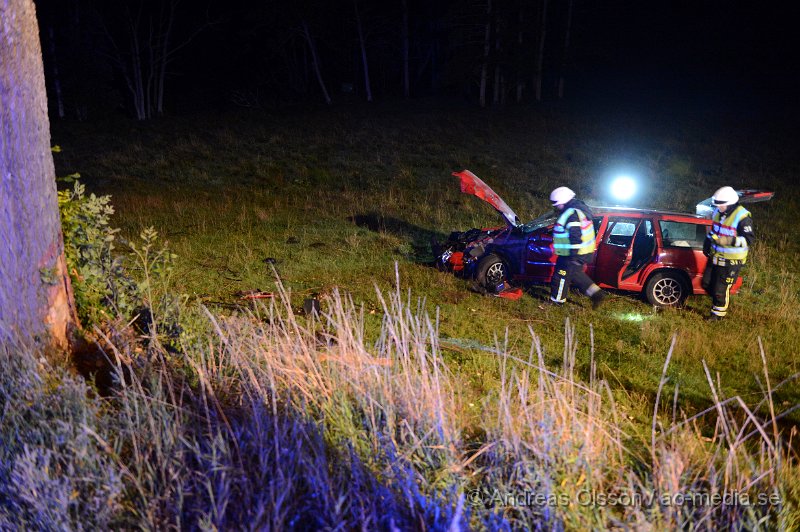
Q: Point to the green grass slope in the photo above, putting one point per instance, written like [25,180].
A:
[336,197]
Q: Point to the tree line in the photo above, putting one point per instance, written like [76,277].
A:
[146,57]
[132,45]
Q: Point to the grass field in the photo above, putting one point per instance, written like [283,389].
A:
[413,402]
[336,197]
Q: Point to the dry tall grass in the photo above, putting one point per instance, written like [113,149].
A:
[271,420]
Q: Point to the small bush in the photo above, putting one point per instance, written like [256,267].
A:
[102,288]
[111,282]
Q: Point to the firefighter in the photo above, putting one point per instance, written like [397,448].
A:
[574,244]
[726,247]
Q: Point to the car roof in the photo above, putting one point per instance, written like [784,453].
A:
[602,209]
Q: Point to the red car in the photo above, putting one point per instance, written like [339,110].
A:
[656,253]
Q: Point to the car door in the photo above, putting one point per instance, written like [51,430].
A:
[682,241]
[539,256]
[614,250]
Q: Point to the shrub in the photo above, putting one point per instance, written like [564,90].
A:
[111,282]
[102,288]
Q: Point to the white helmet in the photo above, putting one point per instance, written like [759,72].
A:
[561,195]
[725,196]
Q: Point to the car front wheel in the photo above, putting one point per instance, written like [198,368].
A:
[666,290]
[491,273]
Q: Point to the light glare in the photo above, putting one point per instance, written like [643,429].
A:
[623,188]
[631,316]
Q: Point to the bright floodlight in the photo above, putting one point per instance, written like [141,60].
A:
[623,188]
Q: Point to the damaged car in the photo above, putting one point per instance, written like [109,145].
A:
[655,253]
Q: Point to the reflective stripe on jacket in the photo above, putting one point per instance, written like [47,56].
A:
[562,244]
[727,245]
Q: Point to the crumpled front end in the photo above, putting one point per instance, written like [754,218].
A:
[460,253]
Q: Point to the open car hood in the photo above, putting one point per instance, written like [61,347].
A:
[749,195]
[472,184]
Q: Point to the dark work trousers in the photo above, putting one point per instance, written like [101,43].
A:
[717,281]
[568,270]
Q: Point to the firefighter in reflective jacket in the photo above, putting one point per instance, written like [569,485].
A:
[574,244]
[726,247]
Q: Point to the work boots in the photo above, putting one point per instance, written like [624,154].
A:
[597,299]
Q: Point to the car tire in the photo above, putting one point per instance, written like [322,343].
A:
[666,290]
[491,273]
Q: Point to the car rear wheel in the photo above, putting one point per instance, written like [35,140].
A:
[491,273]
[666,290]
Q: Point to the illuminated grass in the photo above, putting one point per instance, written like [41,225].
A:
[336,197]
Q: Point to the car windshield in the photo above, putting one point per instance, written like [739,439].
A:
[544,220]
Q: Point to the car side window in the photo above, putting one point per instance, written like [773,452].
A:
[620,231]
[682,234]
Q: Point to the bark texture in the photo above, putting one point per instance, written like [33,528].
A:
[35,297]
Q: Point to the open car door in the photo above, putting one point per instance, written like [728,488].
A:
[749,195]
[472,184]
[627,246]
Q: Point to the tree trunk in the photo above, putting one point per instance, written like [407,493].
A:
[143,61]
[520,82]
[537,80]
[405,48]
[367,85]
[35,294]
[84,87]
[315,61]
[434,77]
[56,76]
[136,84]
[564,52]
[306,70]
[423,65]
[163,59]
[487,46]
[497,72]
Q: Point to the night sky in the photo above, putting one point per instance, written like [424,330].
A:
[731,55]
[717,52]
